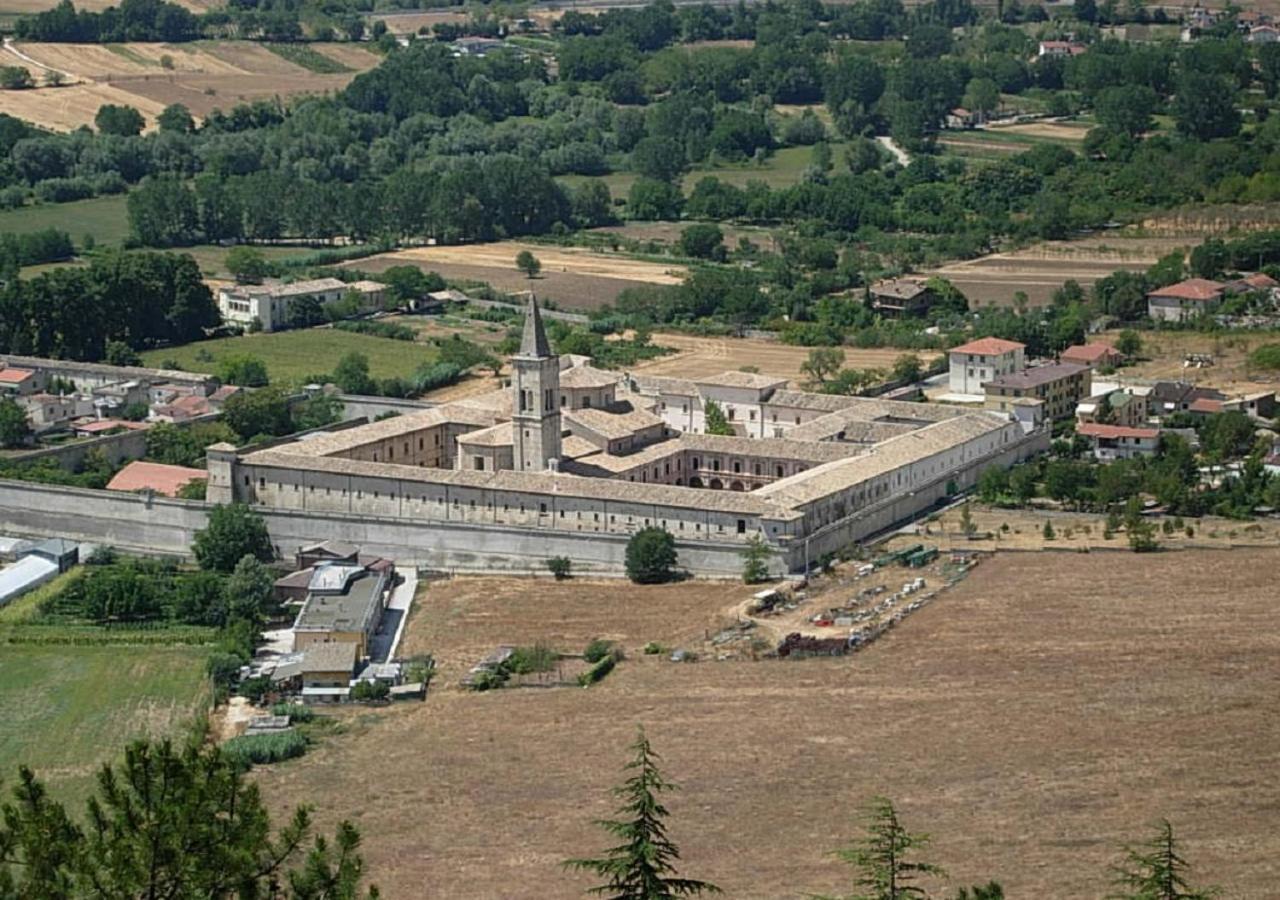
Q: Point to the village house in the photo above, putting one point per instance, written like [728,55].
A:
[1184,300]
[1096,355]
[1258,405]
[1169,397]
[326,671]
[1060,48]
[960,118]
[977,362]
[1060,385]
[1111,442]
[901,297]
[344,604]
[1120,407]
[1263,34]
[19,382]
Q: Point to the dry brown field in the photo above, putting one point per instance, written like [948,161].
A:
[1056,131]
[1023,529]
[1031,719]
[1163,354]
[702,356]
[203,75]
[574,278]
[1041,269]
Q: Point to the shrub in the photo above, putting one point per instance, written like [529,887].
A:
[378,329]
[538,658]
[295,711]
[262,749]
[597,650]
[653,648]
[559,566]
[1048,531]
[597,672]
[370,690]
[255,688]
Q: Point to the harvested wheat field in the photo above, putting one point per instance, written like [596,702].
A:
[698,357]
[1041,269]
[203,75]
[69,107]
[1031,719]
[573,278]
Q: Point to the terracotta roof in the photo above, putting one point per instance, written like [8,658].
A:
[989,346]
[1205,405]
[1097,430]
[14,376]
[102,425]
[1089,353]
[162,479]
[1200,290]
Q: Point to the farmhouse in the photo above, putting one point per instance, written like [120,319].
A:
[159,478]
[901,297]
[526,474]
[268,307]
[977,362]
[1060,385]
[1184,300]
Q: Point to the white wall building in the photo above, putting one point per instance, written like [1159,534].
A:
[977,362]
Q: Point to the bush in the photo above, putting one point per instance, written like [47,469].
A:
[295,711]
[1266,357]
[255,688]
[370,690]
[559,566]
[597,671]
[262,749]
[377,329]
[597,650]
[538,658]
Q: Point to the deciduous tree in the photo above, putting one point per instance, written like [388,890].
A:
[232,533]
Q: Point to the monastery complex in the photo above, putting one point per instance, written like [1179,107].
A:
[571,450]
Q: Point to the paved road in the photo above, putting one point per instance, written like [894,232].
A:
[387,639]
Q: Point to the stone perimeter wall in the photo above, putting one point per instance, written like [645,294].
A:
[157,525]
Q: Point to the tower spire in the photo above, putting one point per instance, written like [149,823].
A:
[533,342]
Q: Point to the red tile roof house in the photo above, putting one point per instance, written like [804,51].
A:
[977,362]
[1096,355]
[1112,442]
[17,381]
[1184,300]
[163,479]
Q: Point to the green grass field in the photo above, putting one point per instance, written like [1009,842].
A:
[103,217]
[68,709]
[309,59]
[292,356]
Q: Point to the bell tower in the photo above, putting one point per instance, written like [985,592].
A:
[535,403]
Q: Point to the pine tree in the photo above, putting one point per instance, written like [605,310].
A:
[966,520]
[882,857]
[1155,871]
[642,866]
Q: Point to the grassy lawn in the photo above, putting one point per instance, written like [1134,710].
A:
[68,709]
[103,217]
[213,258]
[292,356]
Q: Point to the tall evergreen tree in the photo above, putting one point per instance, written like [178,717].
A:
[884,857]
[642,865]
[1154,870]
